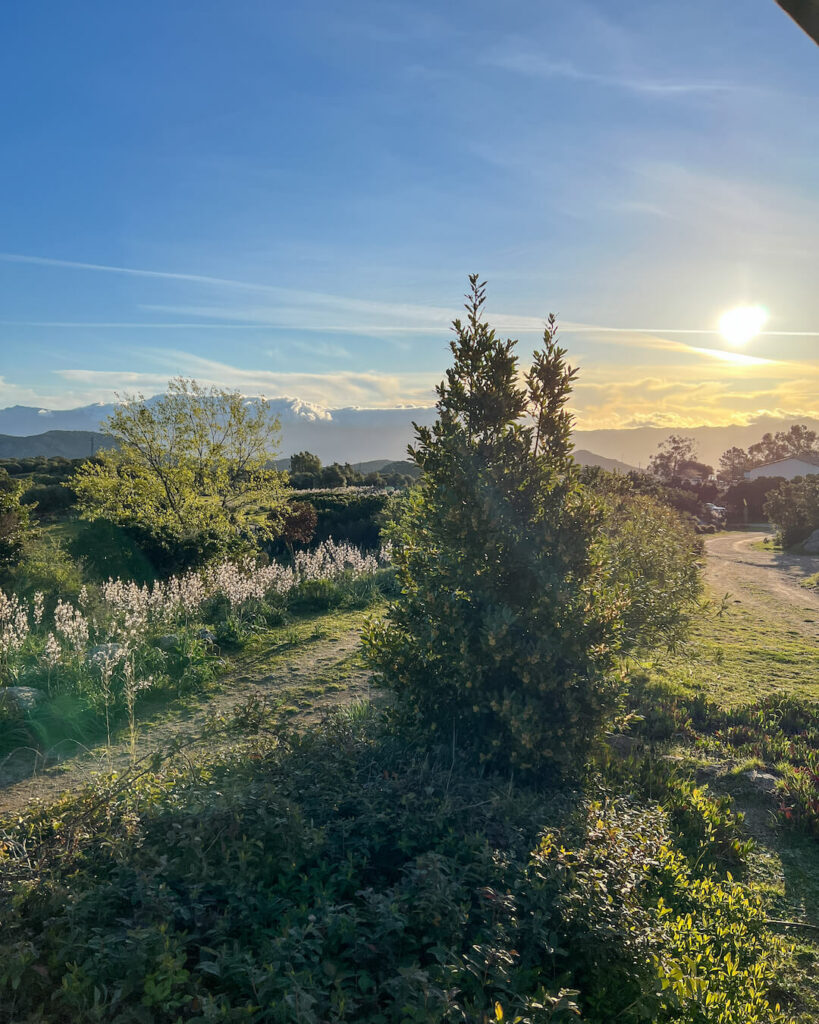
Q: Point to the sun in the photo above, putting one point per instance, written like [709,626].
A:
[739,325]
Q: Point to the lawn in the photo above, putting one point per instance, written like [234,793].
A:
[736,656]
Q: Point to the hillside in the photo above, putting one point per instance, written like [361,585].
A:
[76,444]
[587,458]
[70,444]
[636,445]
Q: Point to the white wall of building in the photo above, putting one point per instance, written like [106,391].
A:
[789,468]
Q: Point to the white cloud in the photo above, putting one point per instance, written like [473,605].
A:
[330,390]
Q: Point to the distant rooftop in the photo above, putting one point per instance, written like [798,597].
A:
[812,460]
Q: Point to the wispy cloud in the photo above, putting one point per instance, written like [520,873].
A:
[523,61]
[330,390]
[46,261]
[514,325]
[297,309]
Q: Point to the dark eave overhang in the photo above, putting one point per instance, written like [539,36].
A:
[805,13]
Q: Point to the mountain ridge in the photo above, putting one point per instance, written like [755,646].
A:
[78,444]
[351,434]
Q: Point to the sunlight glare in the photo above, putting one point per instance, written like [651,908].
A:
[739,325]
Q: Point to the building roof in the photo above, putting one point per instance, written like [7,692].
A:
[810,460]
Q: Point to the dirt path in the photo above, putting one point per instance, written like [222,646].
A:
[318,673]
[764,581]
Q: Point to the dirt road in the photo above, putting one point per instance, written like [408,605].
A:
[764,581]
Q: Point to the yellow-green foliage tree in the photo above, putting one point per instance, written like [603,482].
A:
[506,631]
[191,471]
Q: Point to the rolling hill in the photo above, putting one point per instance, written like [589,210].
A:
[70,444]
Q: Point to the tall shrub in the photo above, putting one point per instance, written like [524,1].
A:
[191,474]
[506,631]
[794,509]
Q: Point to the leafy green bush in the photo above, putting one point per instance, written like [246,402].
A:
[47,566]
[745,499]
[14,523]
[653,557]
[339,875]
[317,596]
[190,472]
[794,509]
[348,516]
[108,551]
[49,498]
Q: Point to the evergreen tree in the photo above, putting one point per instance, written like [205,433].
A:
[733,463]
[305,462]
[506,632]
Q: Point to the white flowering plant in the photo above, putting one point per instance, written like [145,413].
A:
[104,645]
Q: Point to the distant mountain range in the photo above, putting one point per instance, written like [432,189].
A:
[636,445]
[335,435]
[586,458]
[362,435]
[79,444]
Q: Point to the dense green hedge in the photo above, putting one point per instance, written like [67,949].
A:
[348,516]
[49,498]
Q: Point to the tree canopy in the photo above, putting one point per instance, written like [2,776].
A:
[305,462]
[192,469]
[733,463]
[784,444]
[671,456]
[798,440]
[511,615]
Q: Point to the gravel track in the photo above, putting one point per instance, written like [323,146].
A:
[767,582]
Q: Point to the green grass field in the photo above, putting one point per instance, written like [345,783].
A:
[735,656]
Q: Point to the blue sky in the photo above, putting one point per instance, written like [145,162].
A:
[287,198]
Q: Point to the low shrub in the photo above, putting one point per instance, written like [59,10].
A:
[653,555]
[348,516]
[339,875]
[317,596]
[50,498]
[781,732]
